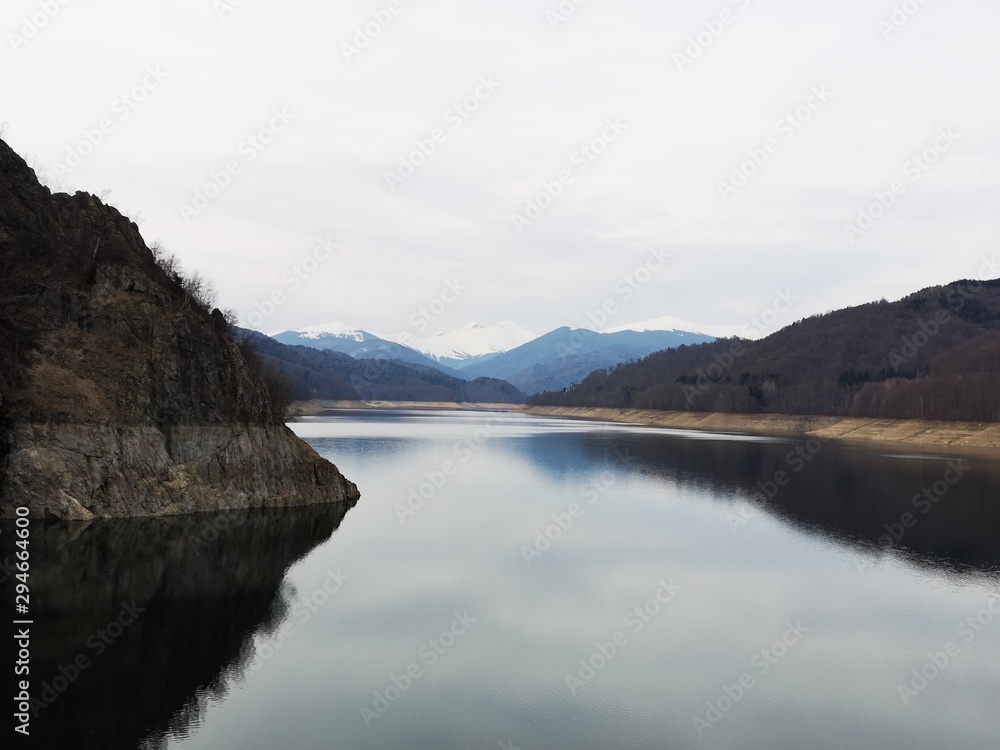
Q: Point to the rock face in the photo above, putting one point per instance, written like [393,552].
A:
[119,394]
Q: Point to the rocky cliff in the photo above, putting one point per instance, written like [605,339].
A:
[120,395]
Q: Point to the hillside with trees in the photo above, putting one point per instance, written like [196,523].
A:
[323,374]
[934,354]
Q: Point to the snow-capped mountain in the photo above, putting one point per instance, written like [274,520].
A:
[508,351]
[567,355]
[337,330]
[449,351]
[473,343]
[668,323]
[354,341]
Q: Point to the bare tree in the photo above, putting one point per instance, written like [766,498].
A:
[199,290]
[167,261]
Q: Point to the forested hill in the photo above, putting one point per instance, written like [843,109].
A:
[322,374]
[934,355]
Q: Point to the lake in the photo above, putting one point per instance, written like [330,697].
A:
[509,581]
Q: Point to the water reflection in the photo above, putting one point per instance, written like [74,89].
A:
[936,510]
[940,510]
[666,515]
[138,623]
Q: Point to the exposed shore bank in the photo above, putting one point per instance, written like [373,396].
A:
[979,438]
[971,438]
[318,407]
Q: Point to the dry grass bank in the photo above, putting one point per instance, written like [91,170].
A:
[319,406]
[971,438]
[981,438]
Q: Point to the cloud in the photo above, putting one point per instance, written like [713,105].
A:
[657,185]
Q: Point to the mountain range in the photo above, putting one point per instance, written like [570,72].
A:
[357,343]
[566,355]
[311,373]
[504,351]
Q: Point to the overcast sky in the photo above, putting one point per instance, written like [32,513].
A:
[848,94]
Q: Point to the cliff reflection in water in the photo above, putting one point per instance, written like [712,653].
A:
[200,586]
[859,497]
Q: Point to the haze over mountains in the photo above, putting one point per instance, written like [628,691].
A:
[504,351]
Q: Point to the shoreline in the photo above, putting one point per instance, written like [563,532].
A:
[321,406]
[981,439]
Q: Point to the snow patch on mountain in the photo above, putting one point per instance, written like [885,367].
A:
[473,340]
[339,330]
[668,323]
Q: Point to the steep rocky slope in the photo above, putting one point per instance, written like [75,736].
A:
[119,394]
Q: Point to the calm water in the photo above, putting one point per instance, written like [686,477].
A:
[508,581]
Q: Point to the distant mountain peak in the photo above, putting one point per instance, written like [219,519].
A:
[463,330]
[356,342]
[341,330]
[473,340]
[672,324]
